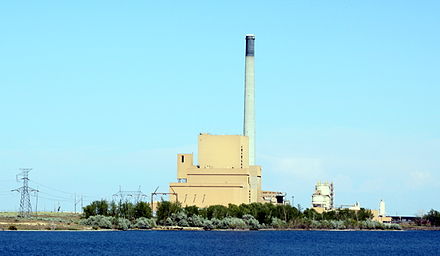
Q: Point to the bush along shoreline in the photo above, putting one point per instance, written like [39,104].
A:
[256,216]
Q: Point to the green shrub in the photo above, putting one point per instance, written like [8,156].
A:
[315,224]
[325,224]
[277,223]
[337,224]
[51,219]
[145,223]
[233,223]
[123,224]
[392,226]
[179,219]
[207,225]
[98,221]
[196,221]
[369,224]
[183,223]
[350,223]
[169,222]
[251,222]
[216,223]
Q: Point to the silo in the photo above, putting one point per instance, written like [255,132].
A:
[382,212]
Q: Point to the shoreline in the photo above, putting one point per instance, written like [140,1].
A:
[175,228]
[72,222]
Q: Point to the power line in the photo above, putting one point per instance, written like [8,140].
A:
[65,192]
[54,199]
[51,194]
[25,199]
[55,189]
[6,181]
[5,196]
[62,197]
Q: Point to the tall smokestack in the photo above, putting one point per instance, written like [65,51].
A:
[249,96]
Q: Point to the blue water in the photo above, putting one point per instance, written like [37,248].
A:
[220,243]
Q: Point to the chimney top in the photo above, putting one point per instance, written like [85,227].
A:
[250,48]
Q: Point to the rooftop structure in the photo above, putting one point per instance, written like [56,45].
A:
[323,196]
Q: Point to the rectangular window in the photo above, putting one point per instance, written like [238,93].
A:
[183,158]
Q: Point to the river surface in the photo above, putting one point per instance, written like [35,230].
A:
[220,243]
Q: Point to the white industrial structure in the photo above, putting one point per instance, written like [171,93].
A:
[323,196]
[382,212]
[249,96]
[355,207]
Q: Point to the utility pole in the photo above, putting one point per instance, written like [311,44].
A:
[77,201]
[36,202]
[25,199]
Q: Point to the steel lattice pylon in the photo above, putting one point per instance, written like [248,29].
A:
[125,196]
[25,199]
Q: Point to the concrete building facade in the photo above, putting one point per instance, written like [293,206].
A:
[222,176]
[323,196]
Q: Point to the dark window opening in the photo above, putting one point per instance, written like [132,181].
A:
[280,199]
[183,159]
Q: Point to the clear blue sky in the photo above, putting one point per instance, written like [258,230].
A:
[97,94]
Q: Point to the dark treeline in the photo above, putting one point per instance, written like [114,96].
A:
[125,210]
[263,212]
[124,215]
[432,218]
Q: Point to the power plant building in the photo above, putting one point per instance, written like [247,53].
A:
[380,215]
[322,198]
[226,172]
[222,176]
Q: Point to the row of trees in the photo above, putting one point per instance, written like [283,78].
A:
[431,218]
[125,210]
[264,213]
[102,214]
[110,222]
[340,214]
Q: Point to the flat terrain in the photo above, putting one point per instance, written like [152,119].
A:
[41,221]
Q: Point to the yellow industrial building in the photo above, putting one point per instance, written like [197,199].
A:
[222,176]
[226,172]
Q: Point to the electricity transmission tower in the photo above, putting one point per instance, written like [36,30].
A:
[25,199]
[78,200]
[126,196]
